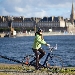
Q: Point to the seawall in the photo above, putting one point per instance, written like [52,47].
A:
[44,34]
[33,34]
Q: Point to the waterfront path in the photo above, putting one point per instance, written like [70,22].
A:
[17,69]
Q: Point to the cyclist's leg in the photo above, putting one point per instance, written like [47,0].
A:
[37,58]
[42,53]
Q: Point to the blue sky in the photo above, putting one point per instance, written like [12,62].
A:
[36,8]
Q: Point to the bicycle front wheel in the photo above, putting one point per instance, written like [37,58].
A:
[54,61]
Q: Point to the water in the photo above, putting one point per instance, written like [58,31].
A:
[17,48]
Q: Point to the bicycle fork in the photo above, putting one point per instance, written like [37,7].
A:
[46,59]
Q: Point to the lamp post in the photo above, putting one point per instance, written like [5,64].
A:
[10,25]
[10,22]
[35,28]
[35,24]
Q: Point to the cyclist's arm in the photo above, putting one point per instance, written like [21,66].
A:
[39,40]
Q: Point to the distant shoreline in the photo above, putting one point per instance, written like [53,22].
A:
[44,34]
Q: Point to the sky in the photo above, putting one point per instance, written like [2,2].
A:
[36,8]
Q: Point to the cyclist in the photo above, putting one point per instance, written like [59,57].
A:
[38,41]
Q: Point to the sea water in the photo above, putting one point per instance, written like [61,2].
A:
[17,48]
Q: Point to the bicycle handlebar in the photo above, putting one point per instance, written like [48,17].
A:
[53,48]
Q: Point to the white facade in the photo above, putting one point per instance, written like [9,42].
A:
[62,23]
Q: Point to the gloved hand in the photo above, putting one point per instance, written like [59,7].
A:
[48,45]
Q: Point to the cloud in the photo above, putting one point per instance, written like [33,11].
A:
[18,9]
[4,12]
[35,8]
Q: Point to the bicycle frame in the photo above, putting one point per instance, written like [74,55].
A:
[48,55]
[46,59]
[49,58]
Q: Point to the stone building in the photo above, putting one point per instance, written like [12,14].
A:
[54,23]
[46,23]
[70,24]
[72,16]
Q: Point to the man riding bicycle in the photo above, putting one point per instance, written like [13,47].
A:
[38,41]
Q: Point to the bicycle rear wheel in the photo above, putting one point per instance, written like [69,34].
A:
[26,61]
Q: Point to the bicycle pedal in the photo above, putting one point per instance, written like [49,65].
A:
[26,63]
[48,65]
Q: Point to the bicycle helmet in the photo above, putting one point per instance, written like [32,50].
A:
[40,30]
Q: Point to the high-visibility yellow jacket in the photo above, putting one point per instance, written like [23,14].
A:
[38,41]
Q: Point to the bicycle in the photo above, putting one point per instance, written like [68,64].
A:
[50,61]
